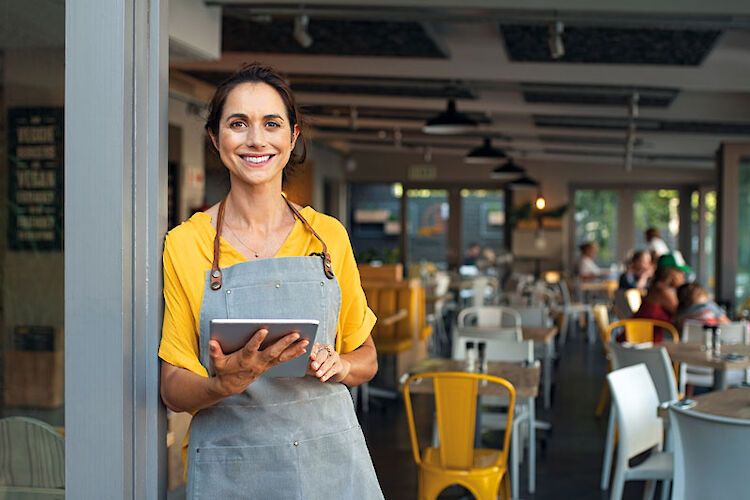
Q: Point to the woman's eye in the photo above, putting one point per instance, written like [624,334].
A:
[273,124]
[236,124]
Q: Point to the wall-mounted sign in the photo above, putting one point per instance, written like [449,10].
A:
[35,183]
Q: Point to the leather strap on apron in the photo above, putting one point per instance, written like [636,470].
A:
[216,271]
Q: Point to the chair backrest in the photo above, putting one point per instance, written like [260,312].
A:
[711,455]
[634,298]
[387,299]
[32,455]
[496,349]
[601,316]
[657,362]
[639,330]
[455,411]
[479,286]
[489,316]
[636,403]
[731,333]
[533,315]
[623,308]
[692,331]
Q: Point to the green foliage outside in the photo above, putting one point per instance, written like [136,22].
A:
[596,220]
[742,289]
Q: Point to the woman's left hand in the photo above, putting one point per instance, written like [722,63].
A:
[326,364]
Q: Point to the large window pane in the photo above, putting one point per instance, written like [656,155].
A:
[660,209]
[742,290]
[427,226]
[702,250]
[482,219]
[376,222]
[32,77]
[596,220]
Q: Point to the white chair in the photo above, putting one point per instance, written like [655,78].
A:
[507,320]
[701,376]
[534,316]
[711,455]
[659,367]
[572,309]
[640,430]
[503,350]
[32,459]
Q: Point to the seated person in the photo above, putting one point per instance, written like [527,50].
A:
[656,244]
[639,271]
[695,305]
[660,302]
[473,250]
[586,268]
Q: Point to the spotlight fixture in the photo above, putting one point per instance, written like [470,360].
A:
[449,121]
[556,46]
[300,33]
[484,154]
[507,170]
[524,182]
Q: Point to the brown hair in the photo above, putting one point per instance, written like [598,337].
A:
[688,293]
[258,73]
[652,232]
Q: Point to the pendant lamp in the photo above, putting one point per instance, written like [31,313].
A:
[484,154]
[508,170]
[524,182]
[449,121]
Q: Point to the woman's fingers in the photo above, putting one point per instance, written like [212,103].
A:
[274,350]
[322,354]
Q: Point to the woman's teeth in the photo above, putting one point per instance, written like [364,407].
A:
[256,159]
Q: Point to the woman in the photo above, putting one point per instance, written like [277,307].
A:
[257,255]
[586,268]
[661,302]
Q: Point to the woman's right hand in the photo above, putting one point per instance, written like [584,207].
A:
[234,372]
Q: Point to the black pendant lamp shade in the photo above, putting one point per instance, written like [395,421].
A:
[524,182]
[508,170]
[449,121]
[484,154]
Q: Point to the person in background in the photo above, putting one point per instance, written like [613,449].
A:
[471,254]
[586,268]
[640,269]
[660,302]
[655,244]
[694,304]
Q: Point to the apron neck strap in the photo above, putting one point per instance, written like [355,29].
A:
[216,276]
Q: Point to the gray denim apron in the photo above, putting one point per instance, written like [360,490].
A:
[282,438]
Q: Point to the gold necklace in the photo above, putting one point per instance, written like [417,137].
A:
[256,253]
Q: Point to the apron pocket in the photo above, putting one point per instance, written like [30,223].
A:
[245,472]
[338,467]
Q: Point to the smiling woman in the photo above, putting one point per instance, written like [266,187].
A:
[254,435]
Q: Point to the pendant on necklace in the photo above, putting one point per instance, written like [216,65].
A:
[257,256]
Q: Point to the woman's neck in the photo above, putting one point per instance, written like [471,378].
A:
[261,208]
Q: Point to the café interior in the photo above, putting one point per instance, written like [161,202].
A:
[503,170]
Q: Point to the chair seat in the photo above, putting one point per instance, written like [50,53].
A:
[484,461]
[392,346]
[659,465]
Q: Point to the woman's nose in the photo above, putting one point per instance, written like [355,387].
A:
[255,136]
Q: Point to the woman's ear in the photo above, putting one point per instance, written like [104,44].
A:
[214,140]
[295,134]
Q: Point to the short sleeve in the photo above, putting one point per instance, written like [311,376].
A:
[179,338]
[356,319]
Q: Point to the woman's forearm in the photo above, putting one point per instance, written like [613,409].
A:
[183,390]
[363,364]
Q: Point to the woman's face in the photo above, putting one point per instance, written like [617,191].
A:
[255,139]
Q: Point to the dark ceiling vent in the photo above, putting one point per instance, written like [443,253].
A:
[599,45]
[597,95]
[638,156]
[609,123]
[331,37]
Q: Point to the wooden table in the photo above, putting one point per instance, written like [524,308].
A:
[693,353]
[538,334]
[525,380]
[593,287]
[732,403]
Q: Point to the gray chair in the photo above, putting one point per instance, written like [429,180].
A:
[640,430]
[701,376]
[32,459]
[711,455]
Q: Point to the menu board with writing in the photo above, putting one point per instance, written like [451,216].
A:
[35,184]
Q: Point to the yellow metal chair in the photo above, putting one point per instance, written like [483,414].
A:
[639,330]
[456,461]
[601,316]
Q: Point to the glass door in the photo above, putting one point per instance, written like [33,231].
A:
[427,215]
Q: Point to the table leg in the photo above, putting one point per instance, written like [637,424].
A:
[532,446]
[548,354]
[720,380]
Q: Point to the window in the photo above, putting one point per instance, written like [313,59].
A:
[427,226]
[742,285]
[482,218]
[657,208]
[596,220]
[376,222]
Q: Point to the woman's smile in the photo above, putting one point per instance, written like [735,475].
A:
[256,160]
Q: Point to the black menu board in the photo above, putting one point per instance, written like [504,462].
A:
[35,183]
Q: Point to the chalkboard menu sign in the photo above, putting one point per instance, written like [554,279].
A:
[35,184]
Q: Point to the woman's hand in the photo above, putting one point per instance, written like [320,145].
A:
[234,372]
[326,364]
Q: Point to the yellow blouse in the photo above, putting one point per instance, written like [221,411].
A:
[188,252]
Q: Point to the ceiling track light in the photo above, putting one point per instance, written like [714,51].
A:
[508,170]
[556,45]
[301,23]
[484,154]
[449,121]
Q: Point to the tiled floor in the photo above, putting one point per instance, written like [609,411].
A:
[569,457]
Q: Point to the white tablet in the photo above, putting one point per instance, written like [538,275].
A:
[233,334]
